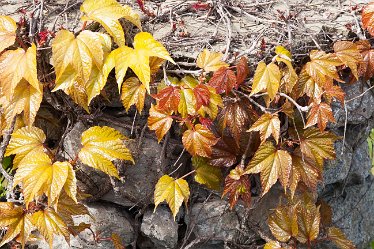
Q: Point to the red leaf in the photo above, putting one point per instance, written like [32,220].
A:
[168,99]
[242,70]
[224,153]
[200,6]
[223,80]
[202,95]
[237,185]
[366,68]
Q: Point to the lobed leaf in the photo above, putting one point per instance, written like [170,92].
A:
[199,141]
[237,186]
[337,236]
[368,18]
[207,174]
[210,61]
[267,78]
[320,114]
[283,223]
[174,191]
[168,99]
[133,93]
[159,121]
[349,55]
[223,80]
[268,124]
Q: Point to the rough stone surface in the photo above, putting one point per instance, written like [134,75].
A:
[160,227]
[108,219]
[213,220]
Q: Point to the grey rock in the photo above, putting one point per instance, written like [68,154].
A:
[213,220]
[160,227]
[108,219]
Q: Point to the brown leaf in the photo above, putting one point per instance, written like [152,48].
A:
[309,220]
[223,80]
[168,98]
[237,116]
[202,95]
[237,186]
[283,223]
[199,141]
[349,54]
[268,124]
[320,114]
[368,18]
[306,85]
[333,91]
[366,67]
[337,236]
[224,153]
[242,70]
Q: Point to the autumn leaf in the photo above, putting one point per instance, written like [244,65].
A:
[368,18]
[39,175]
[207,174]
[25,141]
[49,223]
[224,153]
[133,93]
[289,75]
[267,78]
[223,80]
[168,98]
[273,245]
[272,164]
[76,56]
[304,169]
[237,186]
[155,63]
[174,191]
[137,58]
[202,95]
[159,121]
[102,145]
[307,85]
[16,66]
[210,61]
[337,236]
[308,217]
[366,67]
[26,99]
[16,221]
[322,67]
[107,13]
[212,109]
[268,124]
[236,115]
[187,102]
[283,223]
[67,208]
[117,241]
[320,114]
[349,55]
[334,92]
[199,141]
[318,145]
[242,70]
[8,28]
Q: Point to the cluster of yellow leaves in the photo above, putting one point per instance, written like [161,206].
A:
[40,176]
[301,220]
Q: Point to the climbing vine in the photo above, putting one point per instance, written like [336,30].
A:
[270,127]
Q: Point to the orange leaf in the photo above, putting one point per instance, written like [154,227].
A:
[333,91]
[320,113]
[366,68]
[368,18]
[223,80]
[199,142]
[283,223]
[159,121]
[202,95]
[168,98]
[237,185]
[242,70]
[267,125]
[349,54]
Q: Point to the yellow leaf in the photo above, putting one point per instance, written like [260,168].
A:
[25,99]
[283,223]
[16,65]
[39,176]
[16,221]
[349,55]
[267,77]
[133,93]
[199,141]
[337,236]
[78,93]
[289,77]
[159,121]
[272,164]
[8,28]
[81,53]
[187,102]
[174,191]
[25,141]
[137,58]
[207,174]
[102,145]
[49,223]
[107,13]
[282,51]
[70,185]
[267,124]
[273,245]
[210,61]
[309,221]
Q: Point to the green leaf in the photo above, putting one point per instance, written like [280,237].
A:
[207,174]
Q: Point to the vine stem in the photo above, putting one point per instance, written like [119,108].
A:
[189,173]
[4,144]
